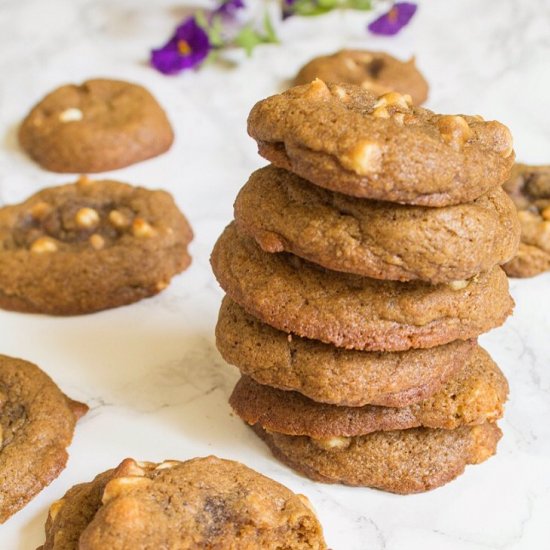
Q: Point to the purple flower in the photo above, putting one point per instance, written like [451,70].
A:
[187,48]
[392,22]
[287,8]
[229,7]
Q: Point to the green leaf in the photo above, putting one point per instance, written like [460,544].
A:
[364,5]
[270,33]
[215,32]
[248,39]
[201,19]
[311,7]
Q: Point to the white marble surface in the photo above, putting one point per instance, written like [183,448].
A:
[155,383]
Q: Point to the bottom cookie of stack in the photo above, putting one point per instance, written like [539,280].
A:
[400,449]
[401,461]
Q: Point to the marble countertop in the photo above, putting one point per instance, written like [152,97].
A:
[155,383]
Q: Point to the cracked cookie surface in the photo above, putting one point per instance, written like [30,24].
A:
[328,374]
[350,311]
[36,426]
[201,503]
[346,139]
[377,72]
[529,187]
[97,126]
[376,239]
[88,246]
[473,396]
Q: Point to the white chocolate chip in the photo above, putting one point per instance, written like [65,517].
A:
[459,284]
[71,115]
[97,241]
[394,99]
[331,443]
[399,119]
[161,285]
[341,94]
[142,229]
[83,181]
[40,210]
[44,244]
[55,507]
[350,64]
[87,218]
[118,219]
[454,130]
[365,158]
[317,90]
[130,467]
[167,464]
[381,112]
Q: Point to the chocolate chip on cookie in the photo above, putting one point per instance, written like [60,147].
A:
[377,239]
[97,126]
[377,72]
[36,426]
[473,396]
[333,375]
[200,503]
[529,187]
[346,139]
[88,246]
[400,461]
[350,311]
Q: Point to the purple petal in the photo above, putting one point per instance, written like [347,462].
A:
[171,58]
[392,22]
[229,7]
[286,9]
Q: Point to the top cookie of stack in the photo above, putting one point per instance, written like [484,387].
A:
[343,138]
[359,290]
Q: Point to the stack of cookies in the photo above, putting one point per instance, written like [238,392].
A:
[360,269]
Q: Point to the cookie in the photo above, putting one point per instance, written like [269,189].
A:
[529,187]
[401,461]
[36,426]
[349,311]
[200,503]
[377,239]
[97,126]
[377,72]
[346,139]
[333,375]
[89,246]
[474,396]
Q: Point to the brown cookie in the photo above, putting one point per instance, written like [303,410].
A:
[377,239]
[377,72]
[89,246]
[349,311]
[36,426]
[346,139]
[328,374]
[401,461]
[200,503]
[529,187]
[98,126]
[474,396]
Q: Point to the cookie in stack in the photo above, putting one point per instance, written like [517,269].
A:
[353,321]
